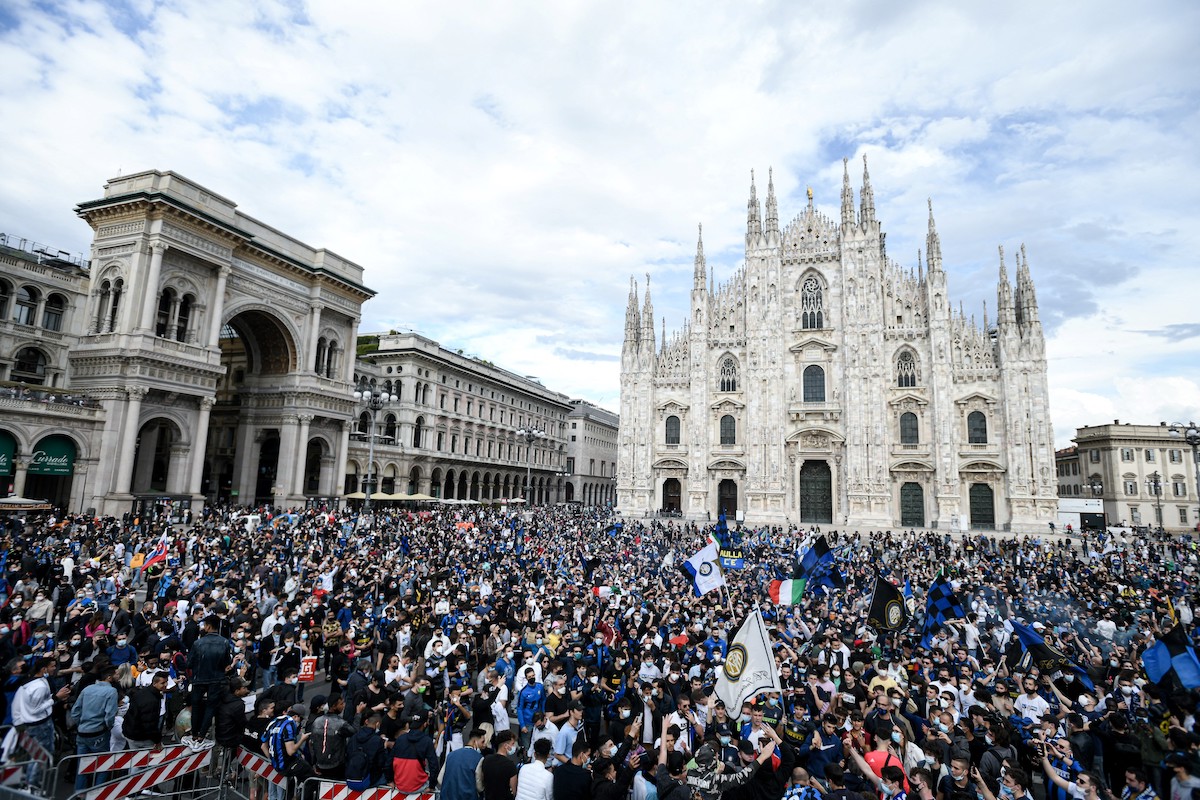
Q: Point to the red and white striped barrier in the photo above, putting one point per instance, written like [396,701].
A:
[260,767]
[12,774]
[328,790]
[134,784]
[32,747]
[131,759]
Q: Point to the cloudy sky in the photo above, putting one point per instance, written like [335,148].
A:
[501,169]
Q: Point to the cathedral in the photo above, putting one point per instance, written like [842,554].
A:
[823,383]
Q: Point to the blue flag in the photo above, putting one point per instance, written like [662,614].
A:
[818,567]
[1029,648]
[1173,652]
[941,606]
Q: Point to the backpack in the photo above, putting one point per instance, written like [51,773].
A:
[328,741]
[357,766]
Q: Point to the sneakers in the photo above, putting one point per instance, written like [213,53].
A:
[196,744]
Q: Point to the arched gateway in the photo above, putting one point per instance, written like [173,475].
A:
[225,371]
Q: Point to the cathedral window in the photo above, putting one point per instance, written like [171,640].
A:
[812,304]
[906,370]
[814,384]
[728,430]
[909,431]
[672,432]
[729,376]
[977,428]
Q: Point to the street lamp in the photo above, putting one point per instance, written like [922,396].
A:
[371,399]
[1154,487]
[1190,433]
[529,436]
[1096,486]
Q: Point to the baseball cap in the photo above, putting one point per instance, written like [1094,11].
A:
[300,710]
[746,748]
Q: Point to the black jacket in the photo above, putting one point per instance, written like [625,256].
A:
[209,657]
[230,721]
[142,719]
[364,755]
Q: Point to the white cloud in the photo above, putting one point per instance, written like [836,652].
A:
[500,171]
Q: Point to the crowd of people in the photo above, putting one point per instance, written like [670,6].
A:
[552,654]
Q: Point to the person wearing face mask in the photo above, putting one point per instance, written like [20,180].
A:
[597,654]
[497,773]
[529,662]
[530,701]
[122,652]
[998,752]
[208,659]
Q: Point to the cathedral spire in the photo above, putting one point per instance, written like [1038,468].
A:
[772,207]
[698,278]
[933,244]
[920,268]
[753,218]
[648,320]
[867,211]
[1027,296]
[847,195]
[633,321]
[1005,313]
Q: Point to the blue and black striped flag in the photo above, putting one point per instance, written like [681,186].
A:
[1173,653]
[941,606]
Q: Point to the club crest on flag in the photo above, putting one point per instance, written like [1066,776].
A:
[735,662]
[895,614]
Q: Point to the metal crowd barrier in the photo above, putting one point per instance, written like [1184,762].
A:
[28,762]
[145,769]
[325,789]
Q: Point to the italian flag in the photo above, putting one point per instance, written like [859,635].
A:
[604,591]
[787,592]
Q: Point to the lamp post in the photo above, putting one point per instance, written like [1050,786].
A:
[529,436]
[1190,433]
[1096,487]
[559,485]
[1154,487]
[372,400]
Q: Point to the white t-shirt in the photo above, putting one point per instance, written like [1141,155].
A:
[1032,707]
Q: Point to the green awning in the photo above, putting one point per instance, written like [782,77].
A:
[54,455]
[8,450]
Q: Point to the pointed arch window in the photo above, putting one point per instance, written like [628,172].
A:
[909,430]
[672,430]
[906,370]
[728,430]
[977,432]
[812,304]
[814,384]
[729,375]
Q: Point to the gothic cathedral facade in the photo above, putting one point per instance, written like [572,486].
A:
[824,384]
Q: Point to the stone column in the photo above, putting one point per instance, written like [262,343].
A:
[129,432]
[297,487]
[351,350]
[287,459]
[245,468]
[343,451]
[150,291]
[314,328]
[79,487]
[328,486]
[143,472]
[21,467]
[218,308]
[177,469]
[199,447]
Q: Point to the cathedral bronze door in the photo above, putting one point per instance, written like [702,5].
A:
[983,506]
[671,495]
[816,492]
[912,506]
[727,499]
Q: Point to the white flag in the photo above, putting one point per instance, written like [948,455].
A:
[705,570]
[749,667]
